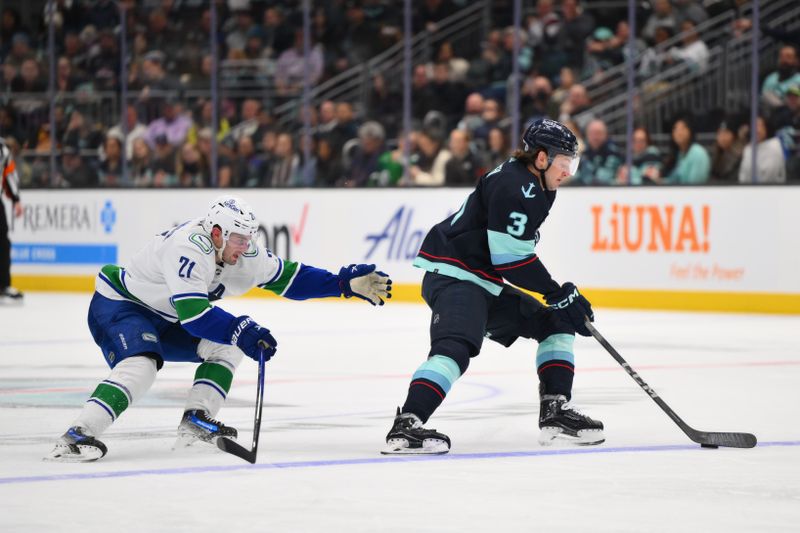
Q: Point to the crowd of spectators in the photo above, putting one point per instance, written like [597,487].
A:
[461,127]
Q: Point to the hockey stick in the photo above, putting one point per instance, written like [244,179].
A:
[227,445]
[706,439]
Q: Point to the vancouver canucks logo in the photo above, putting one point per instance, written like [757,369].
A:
[528,193]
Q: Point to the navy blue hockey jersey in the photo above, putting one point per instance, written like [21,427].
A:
[493,235]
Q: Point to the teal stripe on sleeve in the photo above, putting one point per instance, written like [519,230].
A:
[507,249]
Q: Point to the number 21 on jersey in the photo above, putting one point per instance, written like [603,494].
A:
[185,270]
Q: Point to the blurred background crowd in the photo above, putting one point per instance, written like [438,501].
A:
[180,93]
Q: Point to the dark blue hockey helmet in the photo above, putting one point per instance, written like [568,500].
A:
[552,137]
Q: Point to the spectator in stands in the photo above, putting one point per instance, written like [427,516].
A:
[788,114]
[278,34]
[75,172]
[575,106]
[601,159]
[224,165]
[536,101]
[173,124]
[290,69]
[135,129]
[327,118]
[544,25]
[693,52]
[430,12]
[21,50]
[777,83]
[661,17]
[110,170]
[203,119]
[770,161]
[82,133]
[689,10]
[192,168]
[10,24]
[458,66]
[473,114]
[645,163]
[364,161]
[103,63]
[386,103]
[447,96]
[422,96]
[689,162]
[285,168]
[75,52]
[726,155]
[153,83]
[428,163]
[163,163]
[464,168]
[140,167]
[248,167]
[329,164]
[66,80]
[566,79]
[492,117]
[576,26]
[497,148]
[237,28]
[653,60]
[307,171]
[29,79]
[346,125]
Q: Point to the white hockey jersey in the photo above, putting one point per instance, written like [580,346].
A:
[176,275]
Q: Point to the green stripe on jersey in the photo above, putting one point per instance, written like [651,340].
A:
[280,285]
[188,308]
[216,373]
[114,275]
[112,396]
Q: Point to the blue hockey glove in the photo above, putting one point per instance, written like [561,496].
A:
[571,307]
[252,338]
[363,281]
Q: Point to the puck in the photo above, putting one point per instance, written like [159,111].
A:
[709,446]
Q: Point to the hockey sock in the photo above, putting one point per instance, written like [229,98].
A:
[556,364]
[430,384]
[212,381]
[128,381]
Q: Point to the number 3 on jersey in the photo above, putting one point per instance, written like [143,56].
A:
[186,267]
[517,226]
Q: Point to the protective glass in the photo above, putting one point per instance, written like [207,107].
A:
[565,163]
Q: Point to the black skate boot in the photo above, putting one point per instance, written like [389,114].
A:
[407,436]
[75,446]
[197,425]
[558,419]
[10,296]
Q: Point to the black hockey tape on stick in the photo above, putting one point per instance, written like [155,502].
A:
[229,446]
[705,438]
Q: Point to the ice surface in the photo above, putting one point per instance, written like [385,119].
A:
[331,392]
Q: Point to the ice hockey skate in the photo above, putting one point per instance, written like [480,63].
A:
[198,426]
[408,437]
[10,296]
[75,446]
[560,420]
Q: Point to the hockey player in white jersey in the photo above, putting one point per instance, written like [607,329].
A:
[159,309]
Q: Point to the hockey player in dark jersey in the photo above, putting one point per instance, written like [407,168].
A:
[469,257]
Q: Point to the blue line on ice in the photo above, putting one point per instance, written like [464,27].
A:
[366,461]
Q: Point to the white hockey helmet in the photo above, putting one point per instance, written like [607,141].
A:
[232,215]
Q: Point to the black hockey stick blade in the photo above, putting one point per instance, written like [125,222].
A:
[229,446]
[705,438]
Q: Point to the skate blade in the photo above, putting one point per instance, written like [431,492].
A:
[585,437]
[429,447]
[65,455]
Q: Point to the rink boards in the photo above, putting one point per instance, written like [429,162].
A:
[683,248]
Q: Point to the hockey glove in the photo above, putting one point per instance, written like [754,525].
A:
[252,338]
[571,307]
[362,281]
